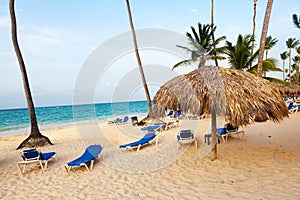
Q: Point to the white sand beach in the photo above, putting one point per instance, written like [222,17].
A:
[263,165]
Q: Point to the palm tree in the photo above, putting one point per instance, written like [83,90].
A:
[291,43]
[253,27]
[35,137]
[296,59]
[283,57]
[270,42]
[296,21]
[139,61]
[239,55]
[213,110]
[264,36]
[202,46]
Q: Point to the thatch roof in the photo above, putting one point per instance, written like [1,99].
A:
[295,89]
[236,94]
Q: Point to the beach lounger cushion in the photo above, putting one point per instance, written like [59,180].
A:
[138,144]
[89,155]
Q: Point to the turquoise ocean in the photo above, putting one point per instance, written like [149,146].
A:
[17,121]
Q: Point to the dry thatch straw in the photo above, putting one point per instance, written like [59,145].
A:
[236,94]
[295,89]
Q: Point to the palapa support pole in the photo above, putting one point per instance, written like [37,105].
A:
[214,155]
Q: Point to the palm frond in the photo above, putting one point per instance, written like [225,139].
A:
[195,34]
[276,80]
[296,21]
[183,63]
[185,48]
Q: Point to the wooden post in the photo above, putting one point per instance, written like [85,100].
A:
[213,132]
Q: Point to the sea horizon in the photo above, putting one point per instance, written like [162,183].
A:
[16,121]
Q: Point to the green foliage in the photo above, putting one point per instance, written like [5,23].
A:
[284,55]
[239,55]
[292,43]
[270,42]
[296,21]
[201,46]
[268,66]
[276,80]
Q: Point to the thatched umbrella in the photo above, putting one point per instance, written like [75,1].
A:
[235,94]
[295,89]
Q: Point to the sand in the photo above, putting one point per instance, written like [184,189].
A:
[263,165]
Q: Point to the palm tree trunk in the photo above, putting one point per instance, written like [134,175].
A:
[263,37]
[283,62]
[212,31]
[139,60]
[290,63]
[214,153]
[35,138]
[253,28]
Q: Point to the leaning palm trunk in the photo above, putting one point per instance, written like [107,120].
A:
[253,29]
[212,31]
[283,69]
[263,37]
[139,63]
[35,138]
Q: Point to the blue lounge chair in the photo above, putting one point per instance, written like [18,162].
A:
[118,121]
[177,114]
[151,128]
[170,113]
[224,133]
[33,156]
[293,108]
[186,137]
[138,144]
[90,154]
[125,119]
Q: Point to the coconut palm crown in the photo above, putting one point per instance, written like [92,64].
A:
[201,43]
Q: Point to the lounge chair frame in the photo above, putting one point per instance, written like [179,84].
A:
[34,160]
[186,137]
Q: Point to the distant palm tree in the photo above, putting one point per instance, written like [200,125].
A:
[239,55]
[296,64]
[297,61]
[202,46]
[139,60]
[283,57]
[296,21]
[291,43]
[263,37]
[270,42]
[35,137]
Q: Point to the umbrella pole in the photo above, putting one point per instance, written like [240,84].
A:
[213,133]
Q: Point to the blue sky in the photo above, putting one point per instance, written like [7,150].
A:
[57,37]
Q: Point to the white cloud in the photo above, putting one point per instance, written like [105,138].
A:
[4,21]
[36,43]
[194,10]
